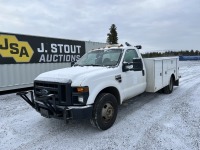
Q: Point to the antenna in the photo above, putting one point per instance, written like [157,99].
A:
[138,46]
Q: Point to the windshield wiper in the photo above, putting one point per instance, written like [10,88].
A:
[78,65]
[92,65]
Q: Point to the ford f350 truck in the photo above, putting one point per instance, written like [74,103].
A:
[100,81]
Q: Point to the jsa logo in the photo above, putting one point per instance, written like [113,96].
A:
[20,51]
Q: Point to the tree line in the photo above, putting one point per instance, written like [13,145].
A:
[172,53]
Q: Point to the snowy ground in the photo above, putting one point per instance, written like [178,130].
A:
[149,121]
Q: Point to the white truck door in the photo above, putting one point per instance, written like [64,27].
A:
[131,80]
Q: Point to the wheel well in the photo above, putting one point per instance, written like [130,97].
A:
[112,90]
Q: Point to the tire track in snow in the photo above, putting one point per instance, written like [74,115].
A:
[127,115]
[181,108]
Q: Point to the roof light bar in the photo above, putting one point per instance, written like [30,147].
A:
[114,45]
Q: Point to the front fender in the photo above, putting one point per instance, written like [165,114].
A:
[95,90]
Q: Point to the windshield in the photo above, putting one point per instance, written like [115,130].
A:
[103,57]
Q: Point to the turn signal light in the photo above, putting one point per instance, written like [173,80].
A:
[82,89]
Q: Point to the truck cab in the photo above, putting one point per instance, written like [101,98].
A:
[94,87]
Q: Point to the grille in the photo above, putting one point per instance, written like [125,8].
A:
[62,92]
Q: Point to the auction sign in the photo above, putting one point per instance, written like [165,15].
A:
[15,48]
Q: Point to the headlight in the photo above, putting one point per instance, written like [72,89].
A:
[80,95]
[81,99]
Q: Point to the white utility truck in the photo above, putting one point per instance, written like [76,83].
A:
[100,81]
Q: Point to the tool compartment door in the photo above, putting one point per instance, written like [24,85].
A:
[154,74]
[169,68]
[158,78]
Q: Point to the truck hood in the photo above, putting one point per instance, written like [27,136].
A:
[72,74]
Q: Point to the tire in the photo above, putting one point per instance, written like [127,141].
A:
[104,111]
[169,88]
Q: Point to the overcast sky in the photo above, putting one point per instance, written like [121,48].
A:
[155,24]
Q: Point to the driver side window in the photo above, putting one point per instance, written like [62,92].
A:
[129,55]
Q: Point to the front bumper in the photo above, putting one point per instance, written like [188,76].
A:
[46,106]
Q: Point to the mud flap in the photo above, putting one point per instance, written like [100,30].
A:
[176,83]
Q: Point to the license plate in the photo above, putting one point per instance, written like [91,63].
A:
[44,113]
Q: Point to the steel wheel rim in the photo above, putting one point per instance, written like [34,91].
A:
[107,112]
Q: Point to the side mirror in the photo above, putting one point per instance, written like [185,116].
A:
[127,66]
[137,64]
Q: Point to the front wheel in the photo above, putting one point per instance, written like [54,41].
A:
[169,88]
[104,111]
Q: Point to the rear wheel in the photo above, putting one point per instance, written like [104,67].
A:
[169,88]
[104,111]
